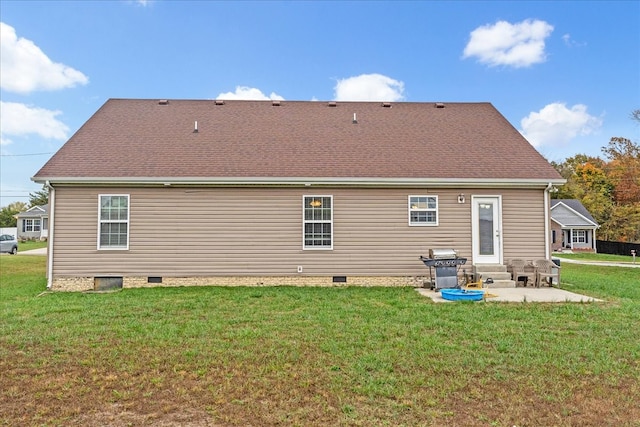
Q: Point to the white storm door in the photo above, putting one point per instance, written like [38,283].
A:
[486,218]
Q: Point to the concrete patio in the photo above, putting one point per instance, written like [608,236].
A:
[520,295]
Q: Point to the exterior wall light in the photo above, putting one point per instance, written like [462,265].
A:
[461,198]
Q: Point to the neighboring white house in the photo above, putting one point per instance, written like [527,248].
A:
[572,226]
[33,223]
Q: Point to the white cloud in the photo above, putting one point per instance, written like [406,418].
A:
[556,124]
[24,68]
[20,120]
[516,45]
[569,42]
[249,94]
[369,87]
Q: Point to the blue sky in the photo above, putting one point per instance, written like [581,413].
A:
[566,74]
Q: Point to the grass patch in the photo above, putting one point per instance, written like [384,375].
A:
[590,256]
[31,244]
[315,356]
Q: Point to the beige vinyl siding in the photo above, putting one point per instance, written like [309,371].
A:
[185,232]
[523,228]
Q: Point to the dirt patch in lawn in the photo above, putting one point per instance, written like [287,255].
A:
[73,394]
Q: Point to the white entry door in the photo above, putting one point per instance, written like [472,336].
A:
[486,220]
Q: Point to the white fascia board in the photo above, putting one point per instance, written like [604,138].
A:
[306,181]
[574,227]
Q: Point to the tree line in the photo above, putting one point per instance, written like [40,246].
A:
[608,187]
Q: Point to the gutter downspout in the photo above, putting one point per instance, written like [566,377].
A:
[547,250]
[52,204]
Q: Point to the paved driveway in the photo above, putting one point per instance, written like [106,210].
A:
[40,251]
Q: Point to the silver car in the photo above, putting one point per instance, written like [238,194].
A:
[9,244]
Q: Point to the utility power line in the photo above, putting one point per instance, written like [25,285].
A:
[24,155]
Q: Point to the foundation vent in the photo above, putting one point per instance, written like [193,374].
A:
[107,283]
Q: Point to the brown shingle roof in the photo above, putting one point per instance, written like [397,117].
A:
[129,138]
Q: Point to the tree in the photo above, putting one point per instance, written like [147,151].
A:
[587,182]
[624,169]
[569,169]
[609,189]
[8,213]
[623,224]
[39,198]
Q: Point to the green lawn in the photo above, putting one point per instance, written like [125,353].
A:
[588,256]
[31,244]
[316,356]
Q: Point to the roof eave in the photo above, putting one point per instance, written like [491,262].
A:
[305,181]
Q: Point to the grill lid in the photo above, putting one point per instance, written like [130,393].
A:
[443,254]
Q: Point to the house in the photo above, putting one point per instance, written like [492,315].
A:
[33,223]
[572,226]
[215,192]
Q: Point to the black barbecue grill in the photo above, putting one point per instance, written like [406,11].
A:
[446,263]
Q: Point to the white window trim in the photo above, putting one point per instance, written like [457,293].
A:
[304,222]
[423,224]
[100,221]
[579,236]
[30,225]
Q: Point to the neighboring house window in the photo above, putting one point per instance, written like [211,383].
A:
[113,230]
[579,236]
[29,225]
[423,210]
[318,222]
[553,236]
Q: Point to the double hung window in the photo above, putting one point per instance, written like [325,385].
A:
[579,236]
[423,210]
[30,225]
[113,227]
[318,222]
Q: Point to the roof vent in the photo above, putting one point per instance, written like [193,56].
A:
[275,103]
[219,102]
[355,119]
[439,105]
[163,102]
[386,104]
[332,104]
[195,127]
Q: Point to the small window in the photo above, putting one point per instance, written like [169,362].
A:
[423,210]
[29,225]
[579,236]
[113,227]
[318,222]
